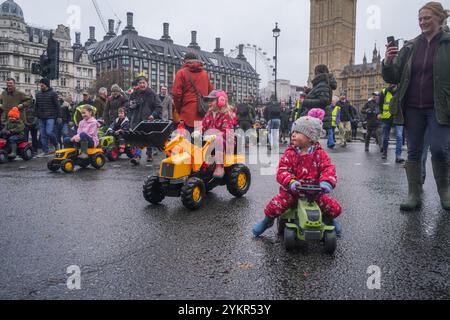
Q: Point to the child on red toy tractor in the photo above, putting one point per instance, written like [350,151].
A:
[13,138]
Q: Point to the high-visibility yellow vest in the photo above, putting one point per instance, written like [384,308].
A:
[386,107]
[334,115]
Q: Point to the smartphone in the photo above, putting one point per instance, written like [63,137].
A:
[392,42]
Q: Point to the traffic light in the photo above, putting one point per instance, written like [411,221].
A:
[53,59]
[48,66]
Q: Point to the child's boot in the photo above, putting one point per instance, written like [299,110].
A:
[219,172]
[84,150]
[337,227]
[261,227]
[13,153]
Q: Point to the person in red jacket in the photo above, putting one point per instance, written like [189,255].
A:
[304,162]
[184,94]
[218,122]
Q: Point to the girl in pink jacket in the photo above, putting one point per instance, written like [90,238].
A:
[87,133]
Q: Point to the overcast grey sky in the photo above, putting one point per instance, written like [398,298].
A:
[237,21]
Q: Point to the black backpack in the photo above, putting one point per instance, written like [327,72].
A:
[275,111]
[242,110]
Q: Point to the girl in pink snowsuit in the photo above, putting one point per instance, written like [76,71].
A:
[304,162]
[218,122]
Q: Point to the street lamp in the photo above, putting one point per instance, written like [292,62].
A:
[276,34]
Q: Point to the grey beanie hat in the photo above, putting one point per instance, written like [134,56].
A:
[115,88]
[310,127]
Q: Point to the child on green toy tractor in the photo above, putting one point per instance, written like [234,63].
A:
[113,143]
[304,162]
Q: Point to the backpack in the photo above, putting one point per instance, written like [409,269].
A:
[242,110]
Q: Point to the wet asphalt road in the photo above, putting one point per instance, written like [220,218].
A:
[128,249]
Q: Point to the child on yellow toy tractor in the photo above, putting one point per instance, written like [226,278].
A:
[87,141]
[186,172]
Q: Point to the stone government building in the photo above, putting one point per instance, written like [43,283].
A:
[22,44]
[332,42]
[131,54]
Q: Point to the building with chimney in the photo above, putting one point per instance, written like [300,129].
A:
[22,44]
[127,55]
[359,81]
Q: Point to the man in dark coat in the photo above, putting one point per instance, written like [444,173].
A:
[322,92]
[47,111]
[144,105]
[86,99]
[115,102]
[347,116]
[373,113]
[100,102]
[11,97]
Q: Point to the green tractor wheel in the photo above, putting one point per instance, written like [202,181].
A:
[330,241]
[193,193]
[239,180]
[290,238]
[153,191]
[53,165]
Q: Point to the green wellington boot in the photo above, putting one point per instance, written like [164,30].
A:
[84,150]
[414,175]
[441,170]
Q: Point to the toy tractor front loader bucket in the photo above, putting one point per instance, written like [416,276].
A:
[180,144]
[150,134]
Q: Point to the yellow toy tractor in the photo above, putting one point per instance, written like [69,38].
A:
[67,159]
[185,172]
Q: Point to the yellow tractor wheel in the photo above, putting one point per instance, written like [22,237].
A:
[67,166]
[193,193]
[238,180]
[98,161]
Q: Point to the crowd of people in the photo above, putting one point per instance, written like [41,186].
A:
[415,102]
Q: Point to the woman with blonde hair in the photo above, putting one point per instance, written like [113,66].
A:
[422,100]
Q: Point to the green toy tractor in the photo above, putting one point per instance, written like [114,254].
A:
[305,223]
[114,148]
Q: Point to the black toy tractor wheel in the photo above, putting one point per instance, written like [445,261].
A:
[84,163]
[53,165]
[193,193]
[3,157]
[153,191]
[330,241]
[290,238]
[113,154]
[239,180]
[98,161]
[27,153]
[281,226]
[67,166]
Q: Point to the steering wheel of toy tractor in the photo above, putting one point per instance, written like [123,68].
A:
[310,192]
[310,188]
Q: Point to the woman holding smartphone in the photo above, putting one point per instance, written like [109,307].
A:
[422,101]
